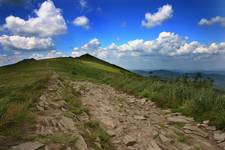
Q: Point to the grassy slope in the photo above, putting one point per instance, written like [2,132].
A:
[22,83]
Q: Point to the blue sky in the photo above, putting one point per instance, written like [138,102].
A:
[135,34]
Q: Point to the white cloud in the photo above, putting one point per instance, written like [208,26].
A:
[82,21]
[167,44]
[50,54]
[151,20]
[215,20]
[92,47]
[83,3]
[9,59]
[18,56]
[16,42]
[48,22]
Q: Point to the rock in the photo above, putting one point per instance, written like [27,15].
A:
[178,119]
[206,122]
[222,145]
[175,114]
[129,140]
[131,100]
[53,146]
[68,123]
[108,122]
[54,105]
[219,136]
[43,98]
[28,146]
[183,146]
[155,133]
[153,146]
[41,103]
[139,117]
[80,143]
[164,139]
[120,105]
[204,144]
[39,108]
[187,131]
[143,100]
[212,128]
[167,111]
[195,130]
[111,133]
[68,148]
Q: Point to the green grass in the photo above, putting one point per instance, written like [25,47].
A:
[71,96]
[67,139]
[93,133]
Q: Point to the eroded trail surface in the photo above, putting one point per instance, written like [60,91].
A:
[137,124]
[132,123]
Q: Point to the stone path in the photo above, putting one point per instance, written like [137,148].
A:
[132,123]
[137,124]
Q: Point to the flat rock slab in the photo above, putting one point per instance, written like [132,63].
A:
[195,130]
[178,119]
[129,140]
[140,117]
[28,146]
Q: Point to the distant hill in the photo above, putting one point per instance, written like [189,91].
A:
[217,76]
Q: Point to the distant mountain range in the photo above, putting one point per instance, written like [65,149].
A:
[217,76]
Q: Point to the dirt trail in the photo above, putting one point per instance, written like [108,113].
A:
[132,123]
[137,124]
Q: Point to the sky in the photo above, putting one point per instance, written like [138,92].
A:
[134,34]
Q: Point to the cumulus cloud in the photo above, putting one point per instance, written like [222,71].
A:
[16,42]
[151,20]
[92,47]
[167,44]
[48,22]
[82,21]
[215,20]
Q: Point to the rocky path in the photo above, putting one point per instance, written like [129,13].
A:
[137,124]
[132,123]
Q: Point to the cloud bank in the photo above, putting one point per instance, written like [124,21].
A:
[167,44]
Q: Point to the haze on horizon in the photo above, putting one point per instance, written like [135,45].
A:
[137,34]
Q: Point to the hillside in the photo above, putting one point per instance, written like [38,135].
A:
[86,103]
